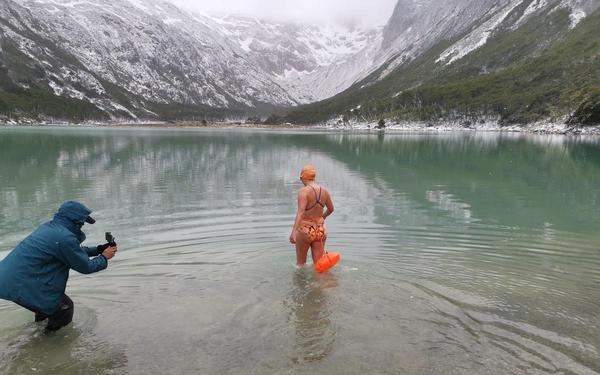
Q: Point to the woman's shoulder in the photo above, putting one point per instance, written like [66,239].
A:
[325,194]
[311,189]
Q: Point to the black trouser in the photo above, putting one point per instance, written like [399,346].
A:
[62,317]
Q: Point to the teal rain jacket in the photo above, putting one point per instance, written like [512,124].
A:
[35,273]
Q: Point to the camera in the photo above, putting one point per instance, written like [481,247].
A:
[110,239]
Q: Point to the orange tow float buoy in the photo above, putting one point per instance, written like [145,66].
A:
[326,262]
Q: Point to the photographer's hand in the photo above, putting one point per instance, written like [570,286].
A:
[110,252]
[101,248]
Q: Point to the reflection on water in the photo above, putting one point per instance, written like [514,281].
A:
[447,202]
[76,349]
[462,253]
[315,335]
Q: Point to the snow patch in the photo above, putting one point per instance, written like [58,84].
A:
[531,9]
[170,21]
[245,44]
[576,16]
[119,107]
[58,90]
[478,37]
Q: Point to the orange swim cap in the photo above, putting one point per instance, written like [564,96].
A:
[308,173]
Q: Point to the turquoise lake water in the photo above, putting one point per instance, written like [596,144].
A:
[462,253]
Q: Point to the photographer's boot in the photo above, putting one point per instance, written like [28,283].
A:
[62,317]
[39,317]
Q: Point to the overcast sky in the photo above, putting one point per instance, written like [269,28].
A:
[367,12]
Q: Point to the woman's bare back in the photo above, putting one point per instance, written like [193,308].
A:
[317,198]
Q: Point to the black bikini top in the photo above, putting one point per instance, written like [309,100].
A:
[318,196]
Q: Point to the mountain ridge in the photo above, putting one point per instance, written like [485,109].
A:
[150,59]
[525,44]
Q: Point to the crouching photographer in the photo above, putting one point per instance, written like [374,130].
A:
[34,275]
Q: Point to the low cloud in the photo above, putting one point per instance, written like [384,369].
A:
[372,12]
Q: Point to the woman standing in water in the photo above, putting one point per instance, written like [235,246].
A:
[314,206]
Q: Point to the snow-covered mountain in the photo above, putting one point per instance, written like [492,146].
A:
[151,49]
[145,58]
[437,55]
[417,25]
[123,54]
[309,61]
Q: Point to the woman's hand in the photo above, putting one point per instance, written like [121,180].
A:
[293,238]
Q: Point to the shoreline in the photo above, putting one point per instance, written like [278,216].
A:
[543,127]
[407,127]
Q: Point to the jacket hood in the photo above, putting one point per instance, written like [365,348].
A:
[73,215]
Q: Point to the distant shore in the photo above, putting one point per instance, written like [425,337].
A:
[404,127]
[160,124]
[211,125]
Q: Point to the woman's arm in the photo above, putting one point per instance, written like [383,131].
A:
[302,201]
[329,205]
